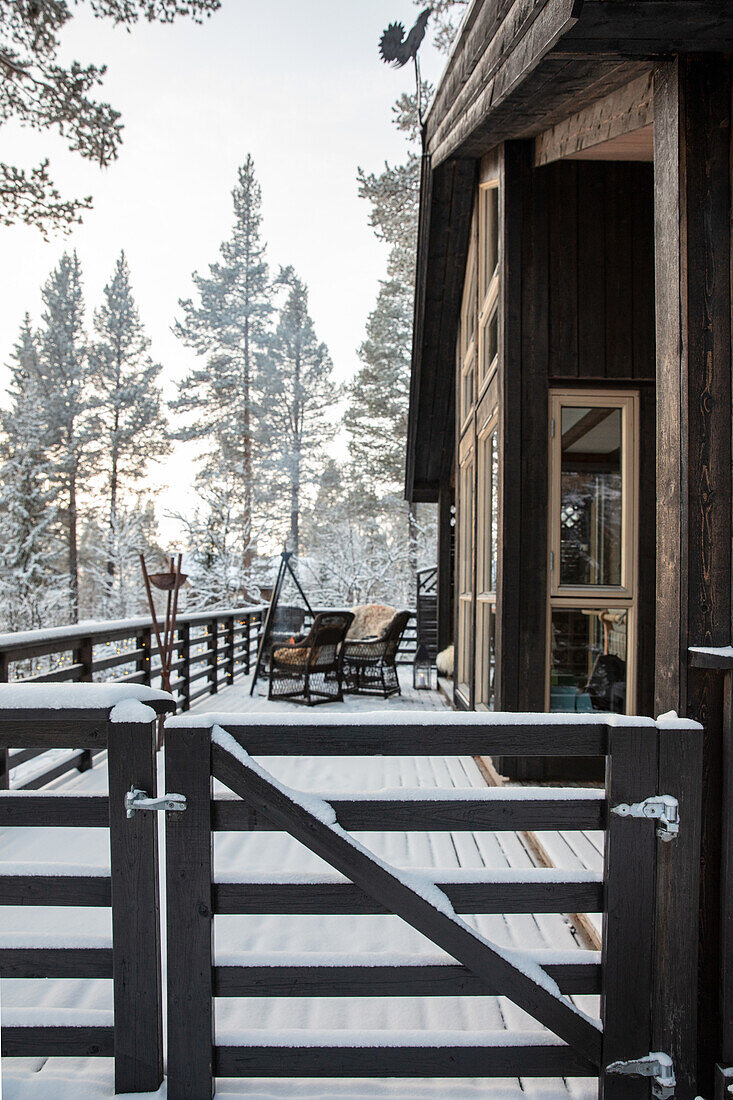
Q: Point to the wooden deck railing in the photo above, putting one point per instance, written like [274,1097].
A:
[212,649]
[647,893]
[132,1034]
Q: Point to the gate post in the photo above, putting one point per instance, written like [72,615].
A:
[674,1006]
[628,926]
[189,916]
[138,1000]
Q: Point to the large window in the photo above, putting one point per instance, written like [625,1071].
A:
[465,571]
[467,344]
[488,282]
[593,548]
[487,559]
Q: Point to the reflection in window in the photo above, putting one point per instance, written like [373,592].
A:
[591,505]
[588,659]
[486,655]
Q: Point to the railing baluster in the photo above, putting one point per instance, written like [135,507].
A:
[230,648]
[184,652]
[143,641]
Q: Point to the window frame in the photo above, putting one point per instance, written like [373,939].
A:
[597,597]
[485,594]
[628,403]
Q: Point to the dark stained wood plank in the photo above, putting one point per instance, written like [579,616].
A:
[619,313]
[381,980]
[674,1004]
[56,962]
[41,729]
[421,913]
[434,815]
[474,737]
[55,890]
[637,28]
[189,916]
[57,810]
[138,995]
[592,303]
[465,897]
[405,1061]
[628,927]
[562,187]
[59,1042]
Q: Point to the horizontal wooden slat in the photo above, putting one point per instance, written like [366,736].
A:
[65,811]
[50,962]
[63,1042]
[101,664]
[455,739]
[381,981]
[133,678]
[438,815]
[22,755]
[466,897]
[68,672]
[205,690]
[44,729]
[55,772]
[402,1061]
[55,890]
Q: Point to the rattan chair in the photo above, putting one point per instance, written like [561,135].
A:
[311,671]
[369,663]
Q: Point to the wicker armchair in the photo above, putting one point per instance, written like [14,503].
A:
[369,663]
[311,671]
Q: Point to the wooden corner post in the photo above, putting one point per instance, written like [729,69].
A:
[138,1003]
[628,927]
[674,1002]
[189,916]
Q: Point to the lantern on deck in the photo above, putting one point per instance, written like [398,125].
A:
[422,670]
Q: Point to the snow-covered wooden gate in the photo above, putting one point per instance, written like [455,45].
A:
[648,895]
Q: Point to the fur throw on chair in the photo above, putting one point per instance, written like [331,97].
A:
[370,619]
[444,662]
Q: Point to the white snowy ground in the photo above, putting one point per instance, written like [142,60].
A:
[322,938]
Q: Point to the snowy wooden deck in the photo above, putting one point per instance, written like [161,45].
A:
[272,856]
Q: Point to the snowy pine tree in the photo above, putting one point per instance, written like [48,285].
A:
[129,423]
[63,376]
[228,326]
[32,593]
[298,391]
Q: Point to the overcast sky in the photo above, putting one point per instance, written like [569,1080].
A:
[299,86]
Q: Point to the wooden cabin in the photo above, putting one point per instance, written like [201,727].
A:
[570,406]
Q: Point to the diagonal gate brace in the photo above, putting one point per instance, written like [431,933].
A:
[313,823]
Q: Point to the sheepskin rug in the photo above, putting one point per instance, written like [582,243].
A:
[370,619]
[444,662]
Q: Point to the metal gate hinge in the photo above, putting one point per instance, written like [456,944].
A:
[136,799]
[663,807]
[658,1066]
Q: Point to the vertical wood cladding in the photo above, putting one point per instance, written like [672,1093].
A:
[600,271]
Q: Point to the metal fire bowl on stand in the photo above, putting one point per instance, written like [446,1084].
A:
[166,582]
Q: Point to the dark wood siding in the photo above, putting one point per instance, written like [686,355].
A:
[601,271]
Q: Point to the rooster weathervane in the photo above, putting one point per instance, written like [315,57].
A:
[396,49]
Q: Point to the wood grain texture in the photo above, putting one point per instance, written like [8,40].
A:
[465,897]
[59,1042]
[189,917]
[628,927]
[432,815]
[420,1061]
[136,940]
[420,980]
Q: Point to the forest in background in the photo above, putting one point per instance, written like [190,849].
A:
[86,418]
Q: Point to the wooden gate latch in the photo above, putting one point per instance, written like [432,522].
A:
[136,799]
[663,807]
[658,1066]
